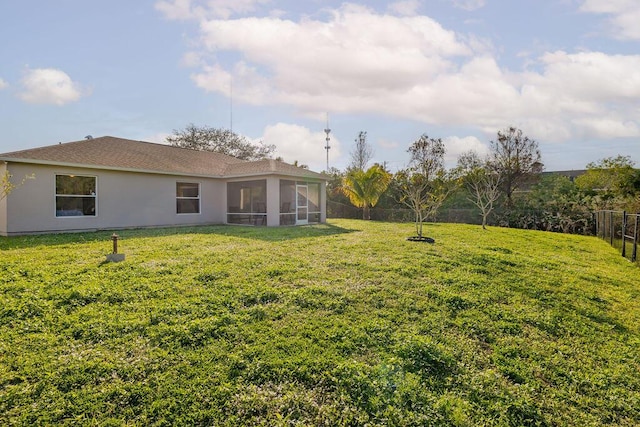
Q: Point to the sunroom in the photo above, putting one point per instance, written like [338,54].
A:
[274,201]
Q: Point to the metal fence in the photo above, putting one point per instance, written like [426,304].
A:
[340,210]
[620,229]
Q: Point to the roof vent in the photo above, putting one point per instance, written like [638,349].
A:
[88,137]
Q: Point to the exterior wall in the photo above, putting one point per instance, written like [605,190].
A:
[3,205]
[124,200]
[323,202]
[273,202]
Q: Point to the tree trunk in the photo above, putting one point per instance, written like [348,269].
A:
[366,213]
[419,220]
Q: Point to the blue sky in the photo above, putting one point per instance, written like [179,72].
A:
[566,72]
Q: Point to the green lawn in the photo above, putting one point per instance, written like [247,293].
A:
[339,324]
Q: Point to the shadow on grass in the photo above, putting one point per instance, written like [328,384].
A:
[258,233]
[269,234]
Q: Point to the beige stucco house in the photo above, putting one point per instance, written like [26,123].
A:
[115,183]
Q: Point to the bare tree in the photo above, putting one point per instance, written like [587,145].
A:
[516,159]
[223,141]
[424,185]
[362,153]
[480,181]
[6,186]
[427,156]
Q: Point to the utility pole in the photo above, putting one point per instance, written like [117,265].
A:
[231,103]
[327,147]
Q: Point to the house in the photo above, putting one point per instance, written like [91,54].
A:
[115,183]
[571,174]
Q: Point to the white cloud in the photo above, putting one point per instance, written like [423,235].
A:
[248,85]
[192,59]
[158,138]
[361,61]
[176,9]
[625,15]
[354,62]
[194,9]
[469,5]
[455,146]
[606,6]
[608,127]
[386,144]
[592,76]
[49,86]
[226,8]
[299,143]
[405,7]
[479,92]
[575,92]
[3,84]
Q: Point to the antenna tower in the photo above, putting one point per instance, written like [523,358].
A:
[231,103]
[327,147]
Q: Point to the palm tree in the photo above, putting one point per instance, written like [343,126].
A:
[364,188]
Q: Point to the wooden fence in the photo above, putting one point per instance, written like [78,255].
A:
[620,229]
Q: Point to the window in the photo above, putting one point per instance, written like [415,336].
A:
[314,202]
[314,197]
[287,202]
[75,195]
[247,202]
[187,197]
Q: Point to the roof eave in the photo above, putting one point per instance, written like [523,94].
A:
[102,167]
[311,175]
[275,173]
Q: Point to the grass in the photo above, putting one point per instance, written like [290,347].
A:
[339,324]
[617,244]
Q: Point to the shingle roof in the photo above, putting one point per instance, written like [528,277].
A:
[109,152]
[270,166]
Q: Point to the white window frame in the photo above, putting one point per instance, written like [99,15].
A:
[198,198]
[94,195]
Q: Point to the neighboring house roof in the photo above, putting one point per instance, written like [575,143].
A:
[571,174]
[113,153]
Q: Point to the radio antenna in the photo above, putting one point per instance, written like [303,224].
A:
[327,147]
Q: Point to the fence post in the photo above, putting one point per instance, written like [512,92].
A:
[611,228]
[624,234]
[635,239]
